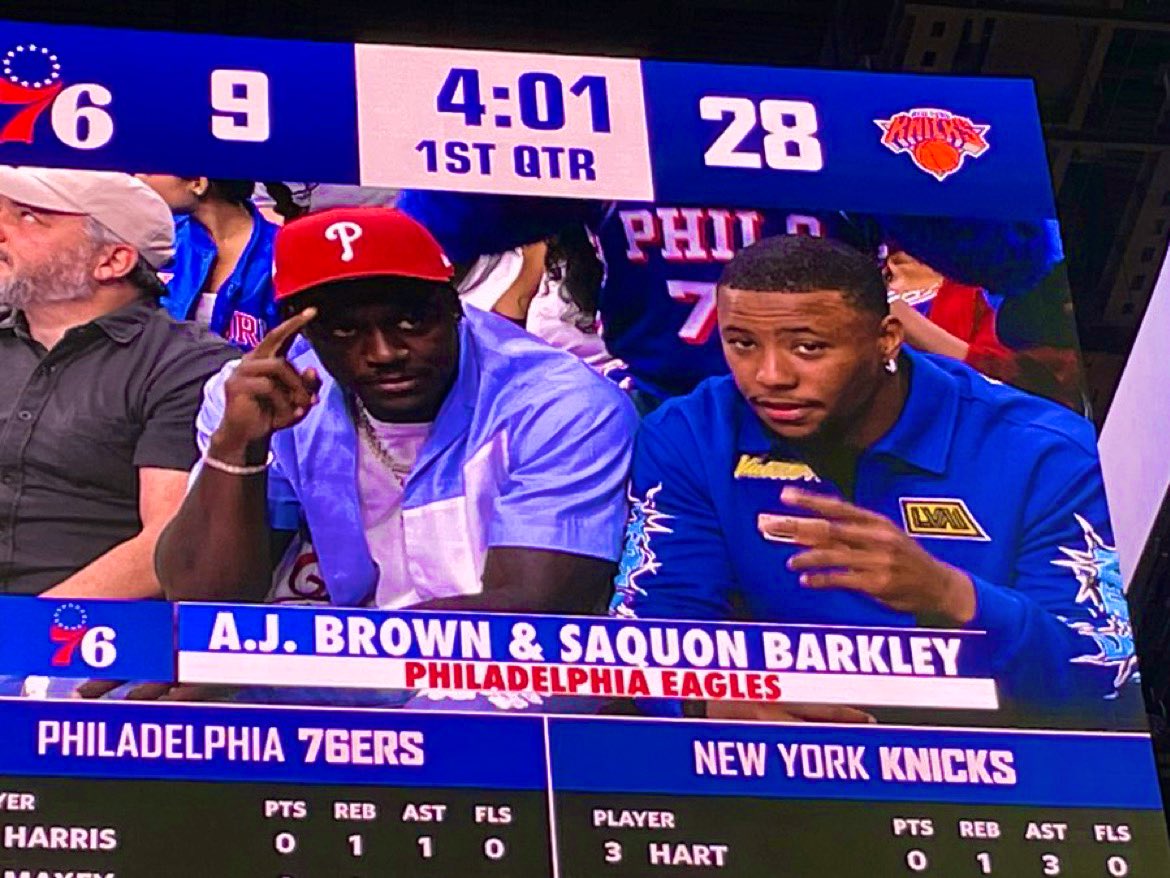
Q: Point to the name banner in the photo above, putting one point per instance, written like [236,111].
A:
[263,645]
[520,123]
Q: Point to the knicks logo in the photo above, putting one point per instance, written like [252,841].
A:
[940,517]
[938,141]
[753,466]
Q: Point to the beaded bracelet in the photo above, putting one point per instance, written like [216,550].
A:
[233,470]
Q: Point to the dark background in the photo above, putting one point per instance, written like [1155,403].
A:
[1102,74]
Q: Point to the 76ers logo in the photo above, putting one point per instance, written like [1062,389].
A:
[70,622]
[938,141]
[31,80]
[71,631]
[32,77]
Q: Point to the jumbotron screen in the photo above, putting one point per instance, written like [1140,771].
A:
[431,462]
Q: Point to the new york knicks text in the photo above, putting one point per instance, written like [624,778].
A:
[856,762]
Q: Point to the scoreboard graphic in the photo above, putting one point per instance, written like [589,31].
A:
[338,740]
[542,125]
[116,788]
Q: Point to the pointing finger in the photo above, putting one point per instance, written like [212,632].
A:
[277,342]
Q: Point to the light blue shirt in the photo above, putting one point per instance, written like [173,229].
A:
[530,449]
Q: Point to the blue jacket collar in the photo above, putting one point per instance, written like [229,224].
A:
[921,436]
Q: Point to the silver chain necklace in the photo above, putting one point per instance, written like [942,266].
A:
[398,469]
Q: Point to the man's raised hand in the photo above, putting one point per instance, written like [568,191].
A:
[265,393]
[854,548]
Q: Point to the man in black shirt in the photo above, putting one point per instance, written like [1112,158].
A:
[98,386]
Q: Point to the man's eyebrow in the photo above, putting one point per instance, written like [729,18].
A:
[41,210]
[790,330]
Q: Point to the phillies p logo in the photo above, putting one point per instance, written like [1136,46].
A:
[345,233]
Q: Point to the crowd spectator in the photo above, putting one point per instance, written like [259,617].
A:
[99,386]
[221,274]
[941,316]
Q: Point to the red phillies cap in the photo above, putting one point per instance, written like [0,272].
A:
[352,242]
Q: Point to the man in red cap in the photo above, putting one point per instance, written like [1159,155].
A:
[420,453]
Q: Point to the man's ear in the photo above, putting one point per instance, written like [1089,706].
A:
[114,262]
[891,334]
[454,304]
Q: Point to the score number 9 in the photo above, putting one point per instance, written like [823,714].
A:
[239,103]
[790,128]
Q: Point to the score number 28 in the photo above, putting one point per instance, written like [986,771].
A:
[790,128]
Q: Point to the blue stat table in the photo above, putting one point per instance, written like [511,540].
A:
[121,789]
[537,780]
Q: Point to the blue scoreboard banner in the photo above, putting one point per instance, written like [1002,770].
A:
[529,124]
[542,785]
[92,785]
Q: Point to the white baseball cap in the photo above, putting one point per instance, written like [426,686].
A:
[130,209]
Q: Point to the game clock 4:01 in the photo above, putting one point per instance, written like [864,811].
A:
[477,121]
[540,99]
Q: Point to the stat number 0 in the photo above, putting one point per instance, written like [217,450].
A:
[240,101]
[790,128]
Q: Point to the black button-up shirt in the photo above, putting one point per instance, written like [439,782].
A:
[77,422]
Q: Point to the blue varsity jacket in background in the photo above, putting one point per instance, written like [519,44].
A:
[244,307]
[1004,485]
[530,448]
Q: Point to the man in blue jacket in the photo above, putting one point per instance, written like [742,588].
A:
[837,477]
[221,275]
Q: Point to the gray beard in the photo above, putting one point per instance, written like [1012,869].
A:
[67,279]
